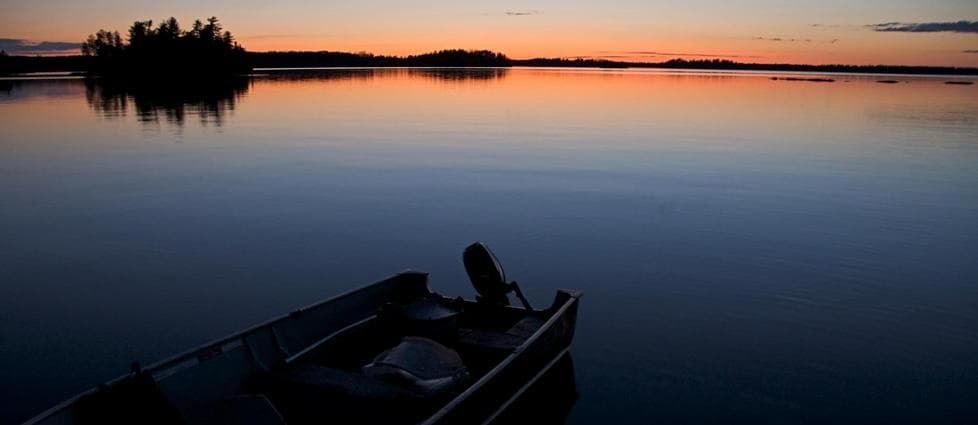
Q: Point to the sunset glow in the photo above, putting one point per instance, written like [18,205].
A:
[756,31]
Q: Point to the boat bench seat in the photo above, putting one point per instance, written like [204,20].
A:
[315,394]
[247,409]
[526,327]
[321,379]
[501,341]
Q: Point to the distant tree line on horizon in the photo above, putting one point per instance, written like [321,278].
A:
[726,64]
[486,58]
[205,50]
[442,58]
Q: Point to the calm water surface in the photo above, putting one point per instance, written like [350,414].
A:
[750,250]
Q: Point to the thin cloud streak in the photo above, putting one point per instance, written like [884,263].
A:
[788,40]
[959,26]
[17,46]
[523,13]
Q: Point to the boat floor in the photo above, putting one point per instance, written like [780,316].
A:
[326,384]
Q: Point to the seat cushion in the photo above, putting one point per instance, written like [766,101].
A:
[503,342]
[321,379]
[420,365]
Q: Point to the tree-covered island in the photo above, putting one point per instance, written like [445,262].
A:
[206,50]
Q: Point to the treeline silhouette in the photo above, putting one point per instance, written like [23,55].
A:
[22,64]
[205,50]
[443,58]
[726,64]
[485,58]
[569,63]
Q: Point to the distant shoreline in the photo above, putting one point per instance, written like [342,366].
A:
[13,65]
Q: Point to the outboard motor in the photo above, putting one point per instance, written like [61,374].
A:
[488,277]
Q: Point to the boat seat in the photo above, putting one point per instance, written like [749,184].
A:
[313,378]
[315,394]
[420,365]
[247,409]
[526,327]
[417,368]
[502,341]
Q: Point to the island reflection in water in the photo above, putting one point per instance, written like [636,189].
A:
[436,74]
[210,101]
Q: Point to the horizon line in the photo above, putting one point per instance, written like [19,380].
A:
[700,58]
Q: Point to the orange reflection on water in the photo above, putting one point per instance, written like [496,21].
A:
[539,107]
[589,107]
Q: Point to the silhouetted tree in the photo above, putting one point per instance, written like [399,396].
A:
[169,30]
[166,51]
[103,44]
[139,33]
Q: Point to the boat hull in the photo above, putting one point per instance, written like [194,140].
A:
[211,373]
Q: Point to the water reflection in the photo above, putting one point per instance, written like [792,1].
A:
[213,100]
[313,74]
[210,101]
[17,90]
[436,74]
[459,74]
[751,251]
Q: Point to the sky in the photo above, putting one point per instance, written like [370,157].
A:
[933,32]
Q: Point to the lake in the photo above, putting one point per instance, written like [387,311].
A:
[750,250]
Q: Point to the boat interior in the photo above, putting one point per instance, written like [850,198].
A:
[401,365]
[400,362]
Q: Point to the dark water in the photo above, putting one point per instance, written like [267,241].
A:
[750,250]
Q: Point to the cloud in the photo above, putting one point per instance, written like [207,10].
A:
[522,12]
[17,46]
[959,26]
[835,26]
[794,40]
[790,40]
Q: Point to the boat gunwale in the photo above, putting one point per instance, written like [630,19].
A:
[193,352]
[519,393]
[573,297]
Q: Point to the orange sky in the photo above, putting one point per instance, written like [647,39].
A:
[832,31]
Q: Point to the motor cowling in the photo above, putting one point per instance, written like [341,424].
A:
[485,273]
[487,276]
